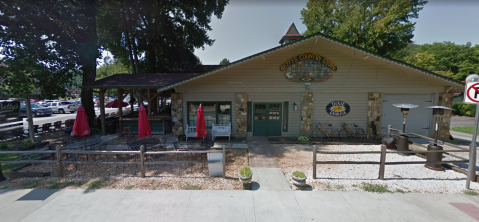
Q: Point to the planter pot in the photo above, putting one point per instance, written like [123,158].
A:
[247,179]
[299,182]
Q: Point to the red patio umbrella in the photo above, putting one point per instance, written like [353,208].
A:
[114,104]
[143,124]
[81,127]
[200,124]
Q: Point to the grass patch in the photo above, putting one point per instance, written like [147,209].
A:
[9,157]
[340,187]
[245,171]
[464,129]
[129,187]
[192,187]
[369,187]
[471,192]
[355,185]
[278,159]
[95,184]
[29,184]
[60,185]
[299,174]
[328,186]
[399,191]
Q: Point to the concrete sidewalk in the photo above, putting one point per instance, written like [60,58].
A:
[233,205]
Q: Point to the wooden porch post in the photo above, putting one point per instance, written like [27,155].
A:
[102,111]
[120,103]
[149,102]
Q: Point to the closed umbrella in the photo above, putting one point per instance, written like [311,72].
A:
[115,104]
[200,124]
[143,124]
[81,127]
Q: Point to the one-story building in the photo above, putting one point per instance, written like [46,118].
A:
[287,90]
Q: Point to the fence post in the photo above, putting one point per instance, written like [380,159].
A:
[224,162]
[389,128]
[142,161]
[314,161]
[382,162]
[59,160]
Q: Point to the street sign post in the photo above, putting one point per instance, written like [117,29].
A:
[471,96]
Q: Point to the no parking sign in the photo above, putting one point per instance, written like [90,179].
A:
[471,95]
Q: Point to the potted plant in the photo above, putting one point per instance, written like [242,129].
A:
[182,137]
[245,175]
[299,178]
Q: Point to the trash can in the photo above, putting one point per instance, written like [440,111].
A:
[434,157]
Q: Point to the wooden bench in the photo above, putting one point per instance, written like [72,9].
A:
[190,131]
[221,130]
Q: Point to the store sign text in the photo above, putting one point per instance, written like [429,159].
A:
[338,108]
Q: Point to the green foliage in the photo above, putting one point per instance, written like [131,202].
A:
[303,139]
[245,171]
[299,174]
[129,187]
[463,109]
[471,192]
[399,191]
[382,26]
[445,58]
[9,157]
[225,61]
[192,187]
[369,187]
[95,131]
[28,142]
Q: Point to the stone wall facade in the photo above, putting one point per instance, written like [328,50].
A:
[177,114]
[375,106]
[445,99]
[307,114]
[241,114]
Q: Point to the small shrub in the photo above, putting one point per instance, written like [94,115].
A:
[299,174]
[95,131]
[471,192]
[369,187]
[349,137]
[303,139]
[463,109]
[28,142]
[245,171]
[192,187]
[129,187]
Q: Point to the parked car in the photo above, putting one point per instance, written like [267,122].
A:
[37,110]
[62,107]
[78,102]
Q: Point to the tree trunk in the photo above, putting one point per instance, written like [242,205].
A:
[88,60]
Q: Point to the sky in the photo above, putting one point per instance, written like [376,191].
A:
[248,26]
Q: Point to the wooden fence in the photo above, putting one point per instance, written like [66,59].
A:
[382,159]
[141,153]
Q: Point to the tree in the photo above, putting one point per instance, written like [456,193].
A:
[165,32]
[382,26]
[60,35]
[225,61]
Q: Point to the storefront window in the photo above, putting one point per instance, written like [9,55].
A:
[215,112]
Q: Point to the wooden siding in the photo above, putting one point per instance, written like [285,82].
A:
[358,114]
[357,75]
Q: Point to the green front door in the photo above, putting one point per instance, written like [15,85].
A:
[267,119]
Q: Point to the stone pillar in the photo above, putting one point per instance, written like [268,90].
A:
[306,114]
[445,99]
[375,106]
[177,113]
[241,114]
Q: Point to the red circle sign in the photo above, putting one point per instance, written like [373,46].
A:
[469,89]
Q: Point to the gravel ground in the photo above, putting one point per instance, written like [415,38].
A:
[413,178]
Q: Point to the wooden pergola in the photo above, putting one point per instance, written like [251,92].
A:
[150,82]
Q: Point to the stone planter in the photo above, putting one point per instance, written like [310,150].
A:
[247,179]
[299,182]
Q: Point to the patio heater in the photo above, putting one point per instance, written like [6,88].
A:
[437,111]
[403,140]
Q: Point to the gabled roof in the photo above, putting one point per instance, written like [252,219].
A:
[150,80]
[292,33]
[310,38]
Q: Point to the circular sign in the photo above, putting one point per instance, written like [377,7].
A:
[338,108]
[474,90]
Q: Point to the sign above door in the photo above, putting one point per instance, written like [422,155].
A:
[308,67]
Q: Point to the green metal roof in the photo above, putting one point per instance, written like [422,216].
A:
[300,41]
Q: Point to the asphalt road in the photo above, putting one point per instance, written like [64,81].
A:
[60,117]
[462,121]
